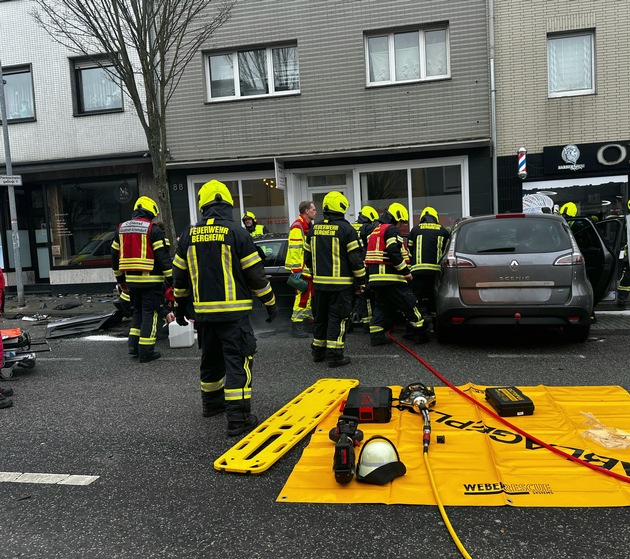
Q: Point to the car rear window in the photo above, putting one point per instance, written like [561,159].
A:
[518,235]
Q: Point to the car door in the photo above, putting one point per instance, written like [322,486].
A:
[601,263]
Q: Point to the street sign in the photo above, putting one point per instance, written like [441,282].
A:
[10,180]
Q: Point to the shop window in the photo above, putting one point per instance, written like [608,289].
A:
[439,187]
[380,189]
[96,90]
[407,56]
[18,94]
[571,64]
[83,218]
[257,195]
[253,73]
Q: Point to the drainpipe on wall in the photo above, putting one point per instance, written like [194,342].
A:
[493,109]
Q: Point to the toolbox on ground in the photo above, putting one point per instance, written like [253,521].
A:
[369,404]
[509,401]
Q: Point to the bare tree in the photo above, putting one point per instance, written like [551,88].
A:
[147,45]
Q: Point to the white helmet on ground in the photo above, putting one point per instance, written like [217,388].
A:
[379,462]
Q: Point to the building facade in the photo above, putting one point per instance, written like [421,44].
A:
[77,143]
[385,101]
[562,92]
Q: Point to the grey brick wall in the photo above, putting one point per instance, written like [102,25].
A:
[525,114]
[335,111]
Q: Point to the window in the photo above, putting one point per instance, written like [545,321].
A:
[407,56]
[253,73]
[571,64]
[95,89]
[83,217]
[18,93]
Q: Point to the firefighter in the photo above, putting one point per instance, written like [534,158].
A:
[217,267]
[426,245]
[255,230]
[142,264]
[364,301]
[333,254]
[294,262]
[387,262]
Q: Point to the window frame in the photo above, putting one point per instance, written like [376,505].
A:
[236,75]
[87,63]
[390,35]
[551,37]
[11,71]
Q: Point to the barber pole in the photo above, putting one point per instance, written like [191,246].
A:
[522,163]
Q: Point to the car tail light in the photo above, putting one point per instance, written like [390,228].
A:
[571,259]
[457,320]
[452,261]
[574,319]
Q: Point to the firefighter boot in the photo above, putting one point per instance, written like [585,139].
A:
[212,403]
[297,330]
[240,420]
[149,355]
[133,347]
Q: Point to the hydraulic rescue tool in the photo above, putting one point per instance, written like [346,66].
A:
[345,436]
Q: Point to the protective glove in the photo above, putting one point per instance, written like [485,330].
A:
[272,312]
[181,320]
[297,275]
[123,286]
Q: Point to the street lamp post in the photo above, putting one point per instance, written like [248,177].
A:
[19,281]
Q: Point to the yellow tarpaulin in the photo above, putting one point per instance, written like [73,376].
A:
[483,462]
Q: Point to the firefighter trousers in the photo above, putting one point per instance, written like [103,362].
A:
[227,357]
[390,300]
[422,286]
[302,303]
[331,311]
[145,302]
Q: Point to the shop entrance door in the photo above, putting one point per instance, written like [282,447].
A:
[315,186]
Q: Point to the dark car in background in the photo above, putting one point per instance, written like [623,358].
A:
[274,248]
[525,270]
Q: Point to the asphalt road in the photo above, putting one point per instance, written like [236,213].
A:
[88,409]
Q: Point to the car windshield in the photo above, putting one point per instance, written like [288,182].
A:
[518,235]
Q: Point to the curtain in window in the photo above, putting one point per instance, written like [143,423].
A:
[252,69]
[286,70]
[378,53]
[435,47]
[407,49]
[18,93]
[98,90]
[570,63]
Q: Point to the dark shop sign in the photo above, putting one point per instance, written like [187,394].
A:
[586,158]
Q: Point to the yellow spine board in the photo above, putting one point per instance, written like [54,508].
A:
[273,438]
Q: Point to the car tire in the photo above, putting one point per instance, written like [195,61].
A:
[577,333]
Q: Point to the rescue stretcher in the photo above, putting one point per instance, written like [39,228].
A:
[19,351]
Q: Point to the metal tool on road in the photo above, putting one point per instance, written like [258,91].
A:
[278,434]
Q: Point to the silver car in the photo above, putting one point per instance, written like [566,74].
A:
[521,269]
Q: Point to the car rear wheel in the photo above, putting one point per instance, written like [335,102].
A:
[577,333]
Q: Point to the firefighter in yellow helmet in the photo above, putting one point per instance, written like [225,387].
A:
[255,230]
[294,262]
[333,254]
[387,261]
[568,210]
[217,268]
[426,243]
[141,264]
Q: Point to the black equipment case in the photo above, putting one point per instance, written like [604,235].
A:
[509,401]
[370,405]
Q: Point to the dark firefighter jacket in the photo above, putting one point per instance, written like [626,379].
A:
[426,245]
[387,257]
[218,266]
[364,227]
[140,255]
[333,255]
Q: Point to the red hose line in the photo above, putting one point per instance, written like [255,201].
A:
[520,431]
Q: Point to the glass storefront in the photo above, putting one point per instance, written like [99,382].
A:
[83,216]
